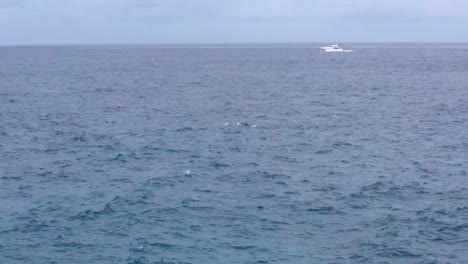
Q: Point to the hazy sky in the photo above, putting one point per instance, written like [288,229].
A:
[214,21]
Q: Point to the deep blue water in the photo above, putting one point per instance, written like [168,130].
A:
[355,158]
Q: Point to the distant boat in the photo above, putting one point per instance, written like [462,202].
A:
[334,48]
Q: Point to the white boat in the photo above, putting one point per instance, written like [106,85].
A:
[334,48]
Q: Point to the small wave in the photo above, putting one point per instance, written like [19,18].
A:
[390,189]
[219,165]
[326,188]
[159,182]
[397,253]
[163,245]
[199,208]
[184,129]
[79,139]
[11,178]
[324,152]
[326,210]
[93,215]
[244,247]
[269,175]
[265,196]
[74,245]
[206,191]
[389,252]
[45,174]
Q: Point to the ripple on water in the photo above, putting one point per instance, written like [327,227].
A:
[365,168]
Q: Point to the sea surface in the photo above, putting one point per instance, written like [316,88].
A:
[133,154]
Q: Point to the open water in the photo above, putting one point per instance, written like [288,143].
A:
[122,154]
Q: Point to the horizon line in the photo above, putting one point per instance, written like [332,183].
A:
[222,43]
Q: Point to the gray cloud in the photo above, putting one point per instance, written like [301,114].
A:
[96,21]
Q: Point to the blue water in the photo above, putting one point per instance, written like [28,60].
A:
[357,157]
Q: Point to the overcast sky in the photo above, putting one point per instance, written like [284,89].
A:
[225,21]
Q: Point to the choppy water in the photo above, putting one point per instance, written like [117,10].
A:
[355,158]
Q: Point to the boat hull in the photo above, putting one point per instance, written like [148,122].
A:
[332,50]
[325,49]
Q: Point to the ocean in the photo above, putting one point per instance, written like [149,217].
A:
[260,153]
